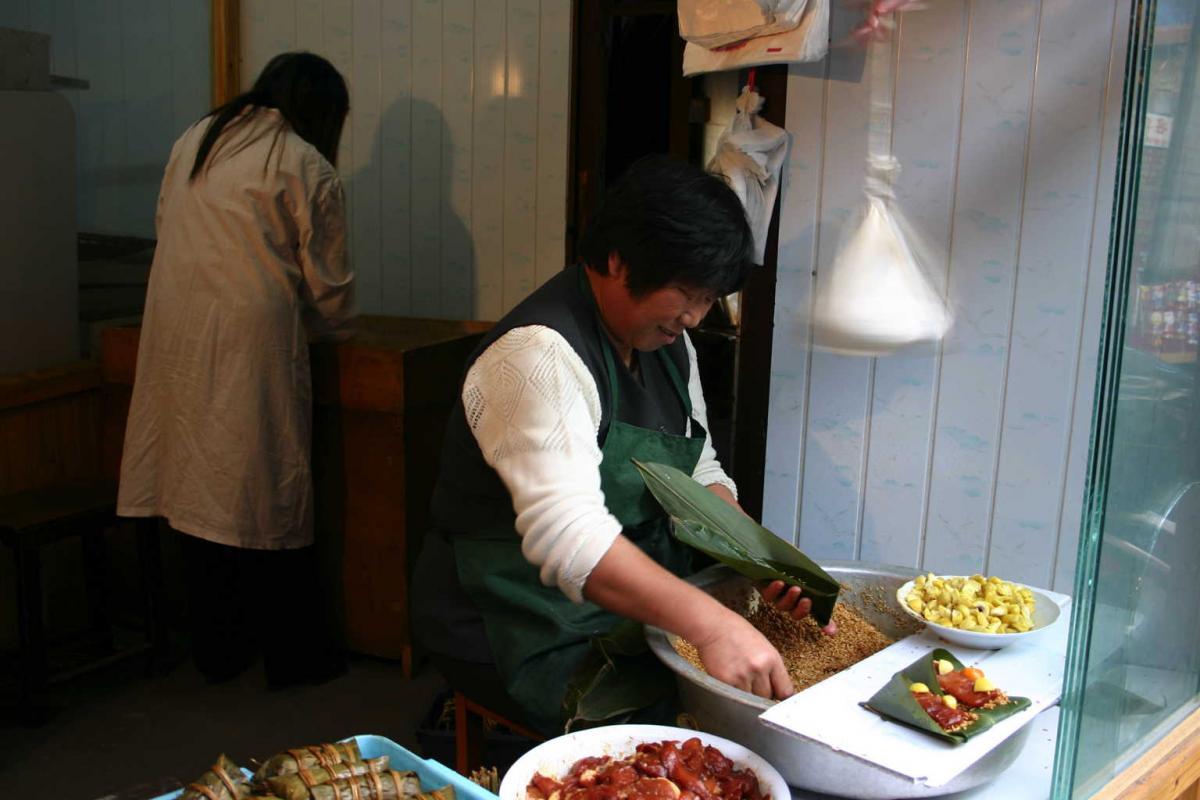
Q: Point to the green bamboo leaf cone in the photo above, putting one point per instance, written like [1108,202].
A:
[709,524]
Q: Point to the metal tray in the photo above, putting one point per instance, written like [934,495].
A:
[805,764]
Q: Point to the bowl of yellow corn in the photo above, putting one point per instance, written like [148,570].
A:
[986,613]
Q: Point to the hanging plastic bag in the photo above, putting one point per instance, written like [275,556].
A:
[809,41]
[750,154]
[875,298]
[716,23]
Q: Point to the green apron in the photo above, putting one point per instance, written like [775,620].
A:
[540,639]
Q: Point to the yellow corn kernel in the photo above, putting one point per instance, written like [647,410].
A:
[984,685]
[950,700]
[943,666]
[918,688]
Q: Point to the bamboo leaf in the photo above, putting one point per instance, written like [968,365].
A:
[895,701]
[706,522]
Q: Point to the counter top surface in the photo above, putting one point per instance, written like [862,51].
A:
[1029,778]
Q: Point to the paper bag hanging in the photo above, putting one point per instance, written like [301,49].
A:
[716,23]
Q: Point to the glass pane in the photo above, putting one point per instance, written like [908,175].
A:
[1135,665]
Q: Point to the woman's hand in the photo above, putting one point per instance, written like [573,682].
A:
[791,600]
[734,652]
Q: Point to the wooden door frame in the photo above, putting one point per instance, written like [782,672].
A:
[226,57]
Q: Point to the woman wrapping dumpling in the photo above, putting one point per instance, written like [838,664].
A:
[546,537]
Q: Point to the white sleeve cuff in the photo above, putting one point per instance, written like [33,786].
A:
[708,469]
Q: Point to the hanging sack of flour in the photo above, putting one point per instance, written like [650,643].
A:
[875,298]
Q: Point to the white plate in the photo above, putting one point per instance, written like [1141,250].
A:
[555,757]
[1045,614]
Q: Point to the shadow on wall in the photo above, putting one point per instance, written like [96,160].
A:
[426,253]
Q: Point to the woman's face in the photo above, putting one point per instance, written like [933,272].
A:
[649,321]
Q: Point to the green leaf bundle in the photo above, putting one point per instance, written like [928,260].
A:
[709,524]
[895,701]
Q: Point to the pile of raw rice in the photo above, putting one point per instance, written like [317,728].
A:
[810,656]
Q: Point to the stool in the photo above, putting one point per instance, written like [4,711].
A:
[29,521]
[469,720]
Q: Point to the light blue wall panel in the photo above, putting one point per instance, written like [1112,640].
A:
[1056,237]
[487,163]
[191,62]
[520,150]
[969,456]
[988,197]
[364,167]
[839,387]
[395,156]
[458,61]
[800,204]
[925,135]
[455,153]
[104,201]
[553,137]
[16,14]
[148,103]
[428,128]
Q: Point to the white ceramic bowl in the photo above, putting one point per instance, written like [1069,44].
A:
[1045,614]
[555,757]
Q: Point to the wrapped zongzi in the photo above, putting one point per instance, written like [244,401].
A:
[388,785]
[297,785]
[223,781]
[290,762]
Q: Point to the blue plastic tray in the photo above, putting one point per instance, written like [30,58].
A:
[433,774]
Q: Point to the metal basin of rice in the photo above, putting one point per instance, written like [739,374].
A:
[806,764]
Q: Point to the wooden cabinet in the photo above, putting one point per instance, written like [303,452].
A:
[381,402]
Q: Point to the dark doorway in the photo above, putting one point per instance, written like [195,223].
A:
[630,99]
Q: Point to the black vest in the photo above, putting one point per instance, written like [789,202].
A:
[469,494]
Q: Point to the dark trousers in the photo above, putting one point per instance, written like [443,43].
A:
[243,603]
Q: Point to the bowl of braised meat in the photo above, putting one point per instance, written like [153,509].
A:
[642,762]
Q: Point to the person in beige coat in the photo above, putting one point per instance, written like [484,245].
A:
[250,263]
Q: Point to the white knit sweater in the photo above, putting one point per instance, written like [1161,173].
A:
[535,411]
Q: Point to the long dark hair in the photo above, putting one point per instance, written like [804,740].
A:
[309,93]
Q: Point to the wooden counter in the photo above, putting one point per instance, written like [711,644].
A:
[381,404]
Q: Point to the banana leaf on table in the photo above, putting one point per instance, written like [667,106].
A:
[895,701]
[709,524]
[289,762]
[387,785]
[223,781]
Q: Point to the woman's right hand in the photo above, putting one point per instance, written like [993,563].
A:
[735,652]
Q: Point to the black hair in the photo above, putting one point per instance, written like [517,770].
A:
[671,222]
[309,93]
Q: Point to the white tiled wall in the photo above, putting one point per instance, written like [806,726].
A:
[455,153]
[148,65]
[969,455]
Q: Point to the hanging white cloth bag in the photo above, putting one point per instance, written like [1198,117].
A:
[875,299]
[750,154]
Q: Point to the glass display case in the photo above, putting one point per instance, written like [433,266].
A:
[1133,670]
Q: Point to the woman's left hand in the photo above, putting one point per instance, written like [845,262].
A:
[791,600]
